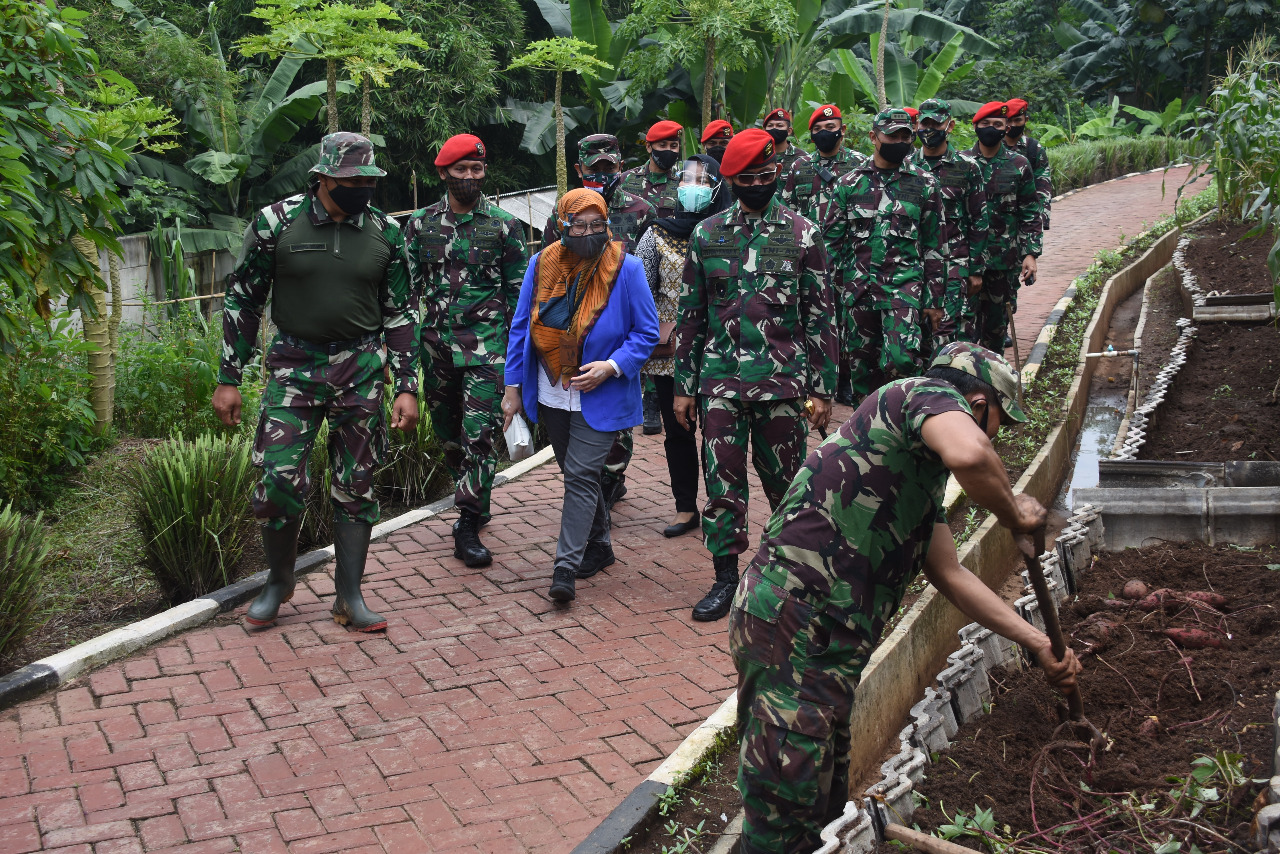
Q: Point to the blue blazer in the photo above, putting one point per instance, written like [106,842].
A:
[626,331]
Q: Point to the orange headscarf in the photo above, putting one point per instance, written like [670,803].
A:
[560,350]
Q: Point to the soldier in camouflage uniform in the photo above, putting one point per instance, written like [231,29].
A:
[1029,147]
[629,216]
[467,259]
[334,270]
[777,123]
[1014,239]
[715,136]
[656,180]
[884,229]
[807,188]
[964,230]
[861,519]
[756,337]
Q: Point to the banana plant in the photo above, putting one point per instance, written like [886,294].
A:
[906,84]
[1170,122]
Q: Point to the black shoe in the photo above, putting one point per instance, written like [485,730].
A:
[595,558]
[844,392]
[466,541]
[717,601]
[613,491]
[680,528]
[1008,342]
[652,417]
[562,585]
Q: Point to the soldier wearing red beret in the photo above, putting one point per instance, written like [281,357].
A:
[1029,147]
[777,123]
[715,136]
[655,180]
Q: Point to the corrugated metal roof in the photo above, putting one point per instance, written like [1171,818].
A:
[532,207]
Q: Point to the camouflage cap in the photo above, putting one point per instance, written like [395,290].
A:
[987,366]
[598,145]
[936,109]
[892,119]
[347,155]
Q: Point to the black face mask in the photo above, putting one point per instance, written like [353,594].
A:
[932,137]
[756,196]
[1014,131]
[895,152]
[989,136]
[465,190]
[664,159]
[826,140]
[779,136]
[716,152]
[353,200]
[588,245]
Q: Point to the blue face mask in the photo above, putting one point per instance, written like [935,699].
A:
[694,197]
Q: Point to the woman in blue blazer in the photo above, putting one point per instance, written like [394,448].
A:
[582,331]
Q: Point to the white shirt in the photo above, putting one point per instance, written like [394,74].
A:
[557,396]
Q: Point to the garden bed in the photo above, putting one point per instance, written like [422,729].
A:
[699,808]
[1223,260]
[1163,707]
[1160,330]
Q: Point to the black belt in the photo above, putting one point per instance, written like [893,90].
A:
[332,347]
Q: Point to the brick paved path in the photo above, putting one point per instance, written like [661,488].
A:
[486,719]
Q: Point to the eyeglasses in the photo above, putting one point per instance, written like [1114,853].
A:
[580,229]
[746,179]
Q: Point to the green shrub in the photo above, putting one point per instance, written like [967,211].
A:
[23,555]
[1083,163]
[191,502]
[412,469]
[47,428]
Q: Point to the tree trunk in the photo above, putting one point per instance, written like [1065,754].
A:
[884,37]
[562,165]
[331,78]
[366,108]
[708,81]
[97,333]
[113,323]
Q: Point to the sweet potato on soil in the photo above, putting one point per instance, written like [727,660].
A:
[1135,588]
[1194,638]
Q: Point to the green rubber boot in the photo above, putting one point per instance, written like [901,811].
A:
[281,548]
[351,547]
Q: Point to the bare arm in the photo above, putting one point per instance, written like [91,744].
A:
[967,452]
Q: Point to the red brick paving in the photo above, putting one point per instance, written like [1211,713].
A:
[486,719]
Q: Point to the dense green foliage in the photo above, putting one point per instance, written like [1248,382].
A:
[1084,163]
[24,552]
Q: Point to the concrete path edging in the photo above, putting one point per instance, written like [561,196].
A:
[59,668]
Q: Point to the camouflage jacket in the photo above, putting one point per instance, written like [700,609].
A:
[629,216]
[854,528]
[807,185]
[1044,177]
[468,269]
[249,287]
[757,321]
[964,201]
[787,158]
[658,189]
[1012,206]
[884,232]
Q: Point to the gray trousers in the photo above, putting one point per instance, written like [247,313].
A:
[580,452]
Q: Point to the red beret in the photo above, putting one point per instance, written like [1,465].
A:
[912,111]
[779,113]
[1016,106]
[999,109]
[826,111]
[718,129]
[663,130]
[751,149]
[464,146]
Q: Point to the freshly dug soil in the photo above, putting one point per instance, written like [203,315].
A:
[1160,332]
[1138,689]
[1222,405]
[712,802]
[1224,260]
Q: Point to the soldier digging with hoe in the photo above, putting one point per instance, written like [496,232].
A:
[860,520]
[334,269]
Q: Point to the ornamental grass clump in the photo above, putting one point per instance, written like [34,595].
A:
[191,501]
[24,552]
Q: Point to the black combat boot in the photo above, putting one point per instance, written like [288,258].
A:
[466,540]
[562,584]
[652,415]
[597,556]
[281,548]
[612,489]
[351,547]
[716,603]
[844,389]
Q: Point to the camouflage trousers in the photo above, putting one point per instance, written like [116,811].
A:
[997,300]
[957,319]
[797,671]
[777,432]
[466,407]
[619,457]
[882,344]
[304,388]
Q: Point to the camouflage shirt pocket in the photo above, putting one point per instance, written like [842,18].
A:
[722,281]
[905,225]
[432,248]
[861,215]
[779,261]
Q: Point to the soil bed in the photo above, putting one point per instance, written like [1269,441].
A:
[1137,688]
[1160,332]
[712,802]
[1224,260]
[1222,405]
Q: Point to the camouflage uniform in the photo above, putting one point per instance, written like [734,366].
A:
[756,336]
[1016,231]
[656,188]
[787,159]
[468,269]
[964,240]
[808,184]
[629,216]
[834,562]
[366,299]
[1040,169]
[883,229]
